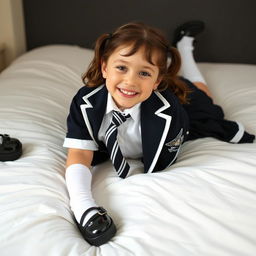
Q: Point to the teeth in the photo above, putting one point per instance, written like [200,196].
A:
[127,93]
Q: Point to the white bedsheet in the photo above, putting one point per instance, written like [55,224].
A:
[205,204]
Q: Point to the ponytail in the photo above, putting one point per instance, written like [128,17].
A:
[171,79]
[93,76]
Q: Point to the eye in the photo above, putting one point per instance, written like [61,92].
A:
[121,68]
[145,73]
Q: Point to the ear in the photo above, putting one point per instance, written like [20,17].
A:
[159,80]
[104,69]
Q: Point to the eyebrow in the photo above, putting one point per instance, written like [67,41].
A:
[127,62]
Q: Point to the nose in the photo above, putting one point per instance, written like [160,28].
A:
[130,78]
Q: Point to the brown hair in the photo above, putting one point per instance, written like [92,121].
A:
[139,35]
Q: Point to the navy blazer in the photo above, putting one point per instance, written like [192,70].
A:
[164,125]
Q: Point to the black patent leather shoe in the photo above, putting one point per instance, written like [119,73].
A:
[190,28]
[99,229]
[10,148]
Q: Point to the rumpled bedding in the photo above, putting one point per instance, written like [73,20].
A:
[204,204]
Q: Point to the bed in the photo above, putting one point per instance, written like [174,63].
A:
[205,204]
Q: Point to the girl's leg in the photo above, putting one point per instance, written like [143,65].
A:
[189,68]
[203,87]
[210,122]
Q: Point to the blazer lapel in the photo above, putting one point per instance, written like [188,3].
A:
[94,109]
[154,129]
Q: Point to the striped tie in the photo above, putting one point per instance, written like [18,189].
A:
[119,162]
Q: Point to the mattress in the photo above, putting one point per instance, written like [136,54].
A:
[204,204]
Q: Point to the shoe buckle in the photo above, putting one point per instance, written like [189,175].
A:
[101,211]
[4,138]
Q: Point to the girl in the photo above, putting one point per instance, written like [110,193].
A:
[133,107]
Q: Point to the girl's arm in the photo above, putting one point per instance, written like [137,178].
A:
[79,156]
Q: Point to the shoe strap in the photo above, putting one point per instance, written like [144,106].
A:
[101,211]
[4,138]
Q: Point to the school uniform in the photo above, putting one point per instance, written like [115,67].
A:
[164,124]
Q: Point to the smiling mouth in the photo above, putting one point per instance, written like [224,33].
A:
[127,93]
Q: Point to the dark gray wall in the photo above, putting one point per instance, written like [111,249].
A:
[230,24]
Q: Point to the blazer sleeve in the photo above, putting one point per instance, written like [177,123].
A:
[78,135]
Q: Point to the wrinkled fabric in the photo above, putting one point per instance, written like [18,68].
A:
[204,204]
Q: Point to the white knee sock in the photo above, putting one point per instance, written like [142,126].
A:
[78,180]
[189,67]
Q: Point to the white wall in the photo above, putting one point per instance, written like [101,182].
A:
[12,32]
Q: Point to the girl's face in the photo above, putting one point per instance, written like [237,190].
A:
[130,79]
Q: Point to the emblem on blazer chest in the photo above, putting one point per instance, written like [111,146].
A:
[174,144]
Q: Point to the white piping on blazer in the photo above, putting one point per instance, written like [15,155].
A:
[166,128]
[89,105]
